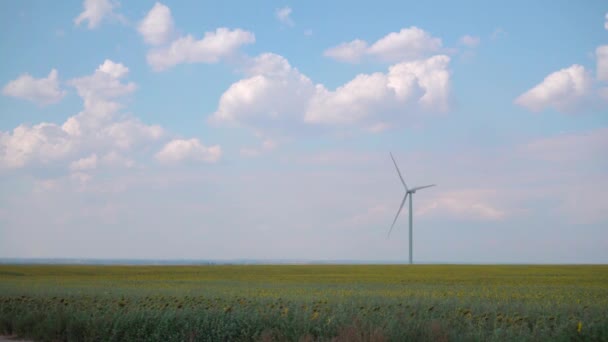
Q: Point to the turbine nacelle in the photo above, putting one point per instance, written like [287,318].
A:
[413,190]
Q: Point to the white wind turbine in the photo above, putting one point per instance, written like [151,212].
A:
[410,192]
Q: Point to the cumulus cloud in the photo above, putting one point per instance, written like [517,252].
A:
[179,150]
[277,95]
[419,85]
[601,56]
[157,26]
[470,41]
[116,70]
[408,44]
[274,93]
[158,29]
[43,142]
[348,52]
[100,89]
[128,132]
[47,142]
[210,49]
[284,16]
[561,90]
[98,127]
[42,91]
[95,11]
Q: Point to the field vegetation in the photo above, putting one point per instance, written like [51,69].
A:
[305,303]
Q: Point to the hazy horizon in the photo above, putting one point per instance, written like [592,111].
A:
[261,262]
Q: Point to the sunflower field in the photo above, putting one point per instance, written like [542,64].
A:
[305,303]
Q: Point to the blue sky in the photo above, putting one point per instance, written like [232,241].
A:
[232,129]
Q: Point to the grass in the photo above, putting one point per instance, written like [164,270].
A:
[305,303]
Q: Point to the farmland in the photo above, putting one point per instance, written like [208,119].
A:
[305,303]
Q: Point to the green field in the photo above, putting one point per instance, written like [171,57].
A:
[305,303]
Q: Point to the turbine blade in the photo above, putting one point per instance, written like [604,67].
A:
[422,187]
[398,172]
[398,211]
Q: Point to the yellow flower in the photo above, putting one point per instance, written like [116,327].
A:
[579,327]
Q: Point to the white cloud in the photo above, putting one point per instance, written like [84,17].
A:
[105,83]
[100,89]
[348,52]
[283,14]
[179,150]
[606,23]
[127,133]
[96,128]
[83,164]
[601,55]
[95,11]
[352,102]
[408,44]
[116,70]
[279,96]
[47,142]
[43,142]
[562,90]
[157,26]
[414,86]
[43,91]
[470,41]
[210,49]
[275,92]
[463,204]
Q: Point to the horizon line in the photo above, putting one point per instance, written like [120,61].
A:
[246,261]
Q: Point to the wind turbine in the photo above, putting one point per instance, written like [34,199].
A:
[411,193]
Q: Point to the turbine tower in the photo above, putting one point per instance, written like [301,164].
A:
[411,193]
